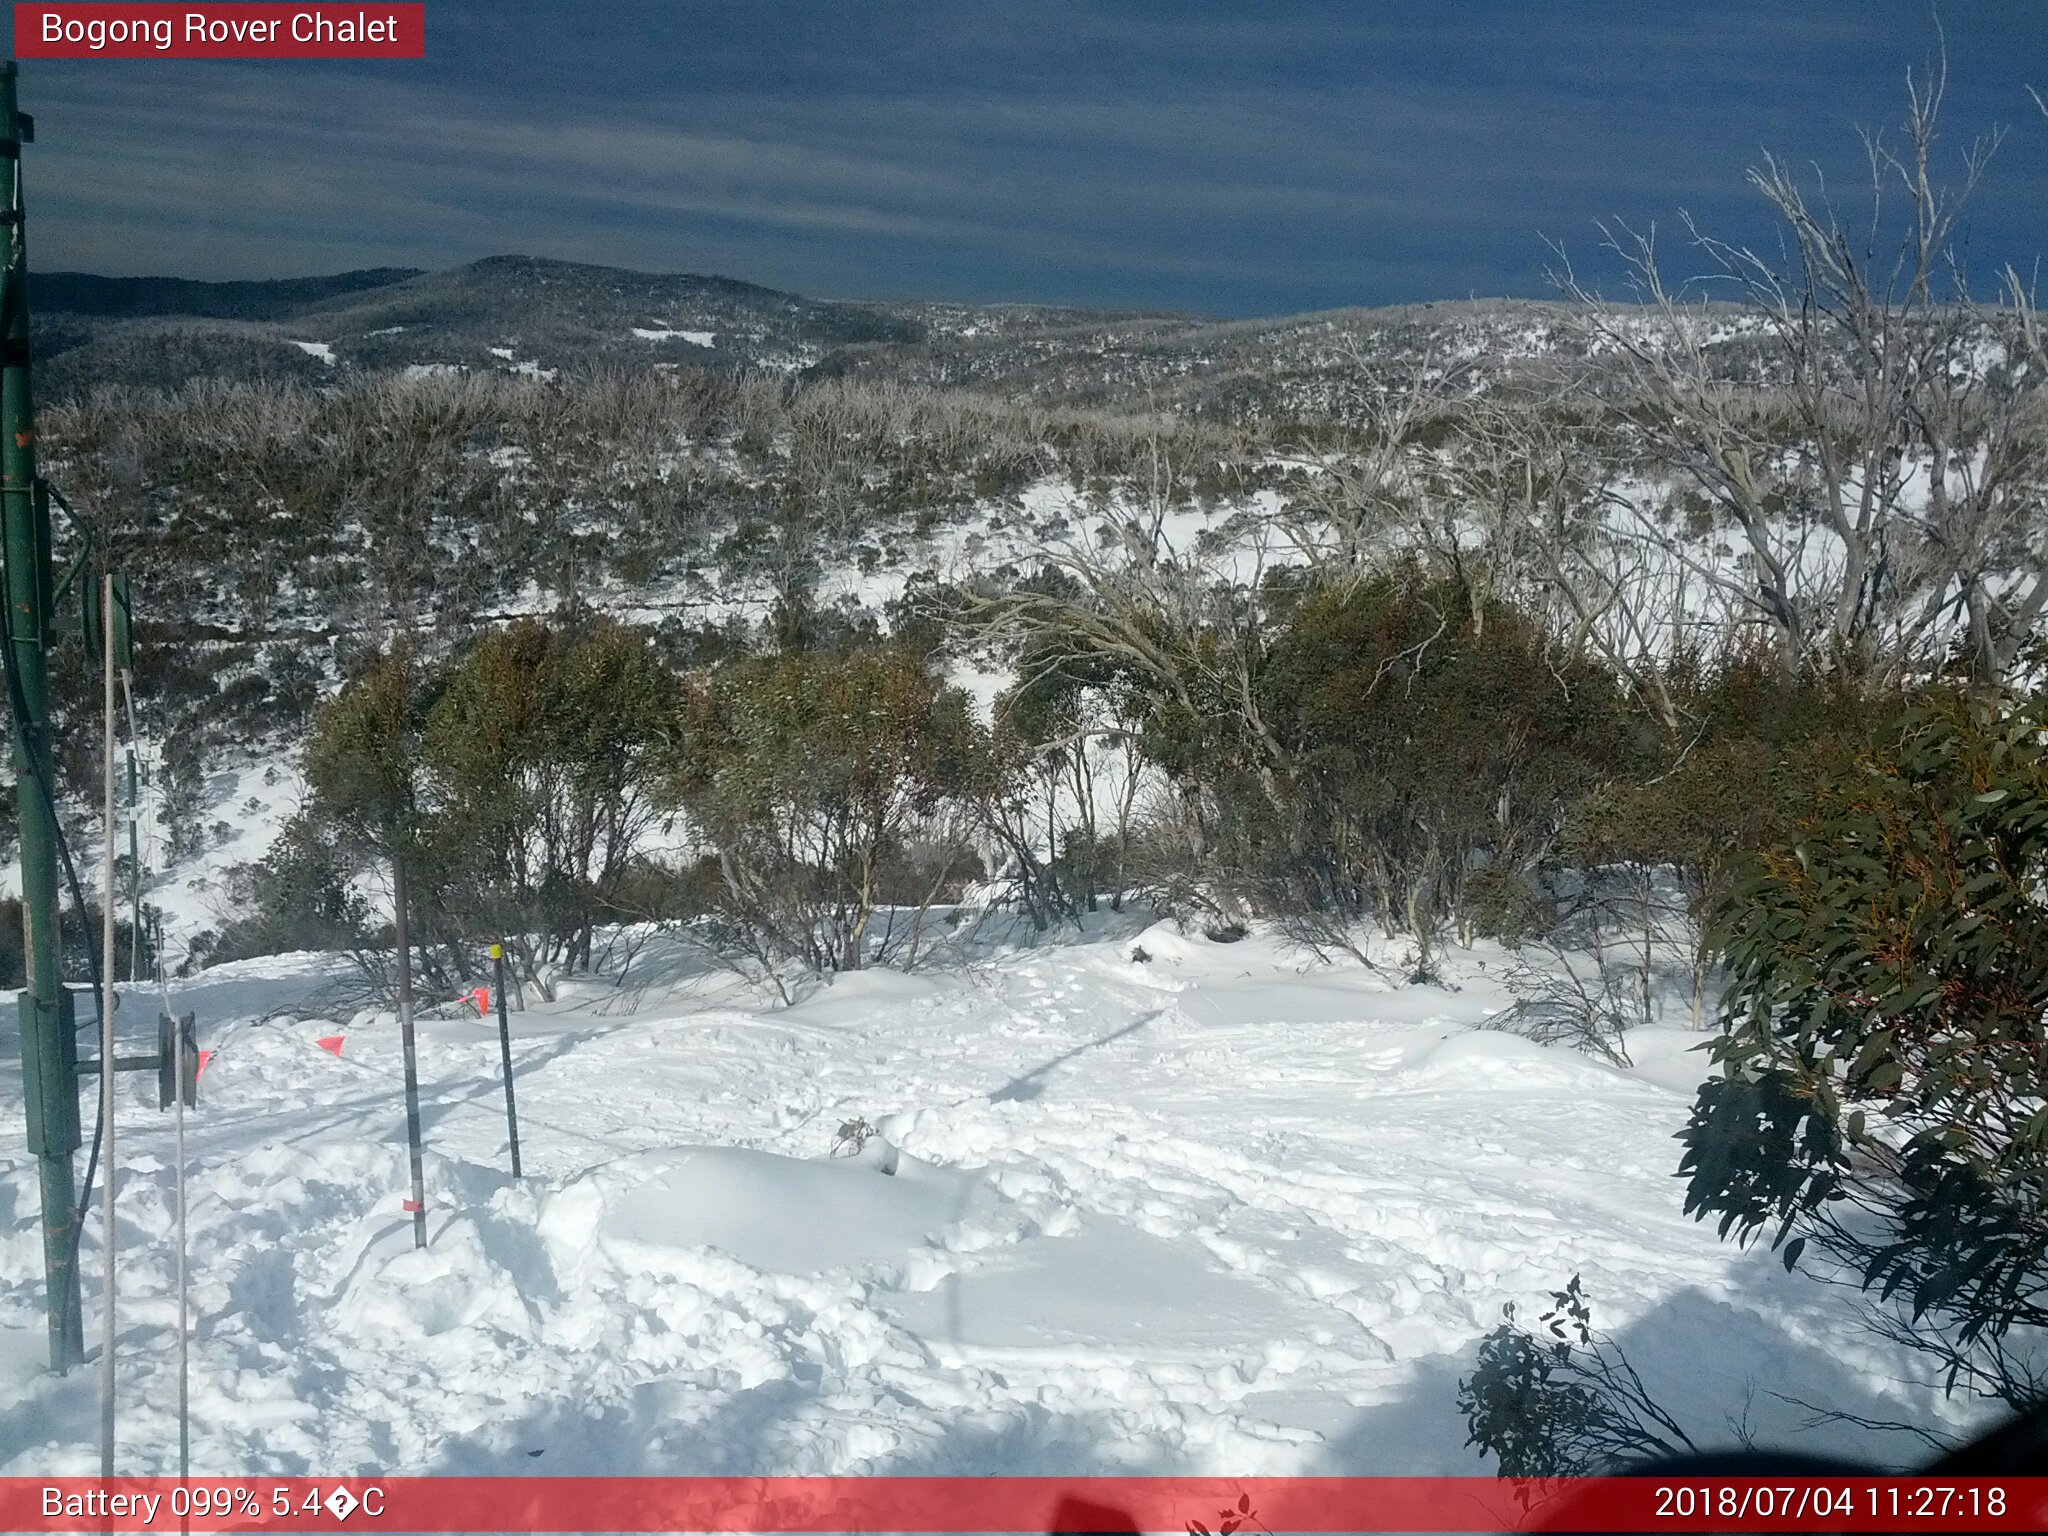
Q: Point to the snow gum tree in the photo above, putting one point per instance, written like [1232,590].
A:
[808,776]
[1067,766]
[517,780]
[362,762]
[367,791]
[542,746]
[1431,752]
[1664,847]
[1881,1095]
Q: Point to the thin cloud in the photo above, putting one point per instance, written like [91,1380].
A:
[1229,160]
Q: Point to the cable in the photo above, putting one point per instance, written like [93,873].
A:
[32,754]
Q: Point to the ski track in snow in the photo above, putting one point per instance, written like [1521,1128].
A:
[1211,1213]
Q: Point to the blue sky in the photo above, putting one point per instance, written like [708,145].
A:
[1234,158]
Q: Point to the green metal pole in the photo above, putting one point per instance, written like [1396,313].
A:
[49,1049]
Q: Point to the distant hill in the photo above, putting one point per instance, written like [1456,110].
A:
[530,315]
[518,313]
[83,293]
[550,314]
[504,312]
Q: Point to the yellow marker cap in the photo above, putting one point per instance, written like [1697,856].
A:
[497,951]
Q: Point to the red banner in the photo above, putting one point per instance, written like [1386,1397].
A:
[1218,1506]
[361,31]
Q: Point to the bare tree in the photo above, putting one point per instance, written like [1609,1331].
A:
[1853,420]
[1380,497]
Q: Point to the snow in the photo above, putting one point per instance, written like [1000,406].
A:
[662,333]
[319,349]
[1214,1211]
[643,1209]
[530,366]
[245,801]
[982,685]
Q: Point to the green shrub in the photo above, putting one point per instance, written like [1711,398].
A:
[1882,1084]
[814,777]
[297,897]
[1428,738]
[1563,1401]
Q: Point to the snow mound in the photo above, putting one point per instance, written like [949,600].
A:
[1493,1053]
[452,1285]
[1110,1292]
[1671,1057]
[663,333]
[781,1215]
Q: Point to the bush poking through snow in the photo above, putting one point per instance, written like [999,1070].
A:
[851,1137]
[1581,1000]
[1563,1402]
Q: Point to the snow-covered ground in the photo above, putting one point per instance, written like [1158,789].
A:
[664,333]
[1215,1210]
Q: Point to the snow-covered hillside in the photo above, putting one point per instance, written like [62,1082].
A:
[1158,1203]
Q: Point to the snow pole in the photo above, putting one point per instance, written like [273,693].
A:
[418,1203]
[184,1241]
[134,877]
[108,1054]
[124,652]
[505,1051]
[184,1088]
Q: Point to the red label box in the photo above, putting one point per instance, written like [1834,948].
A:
[358,31]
